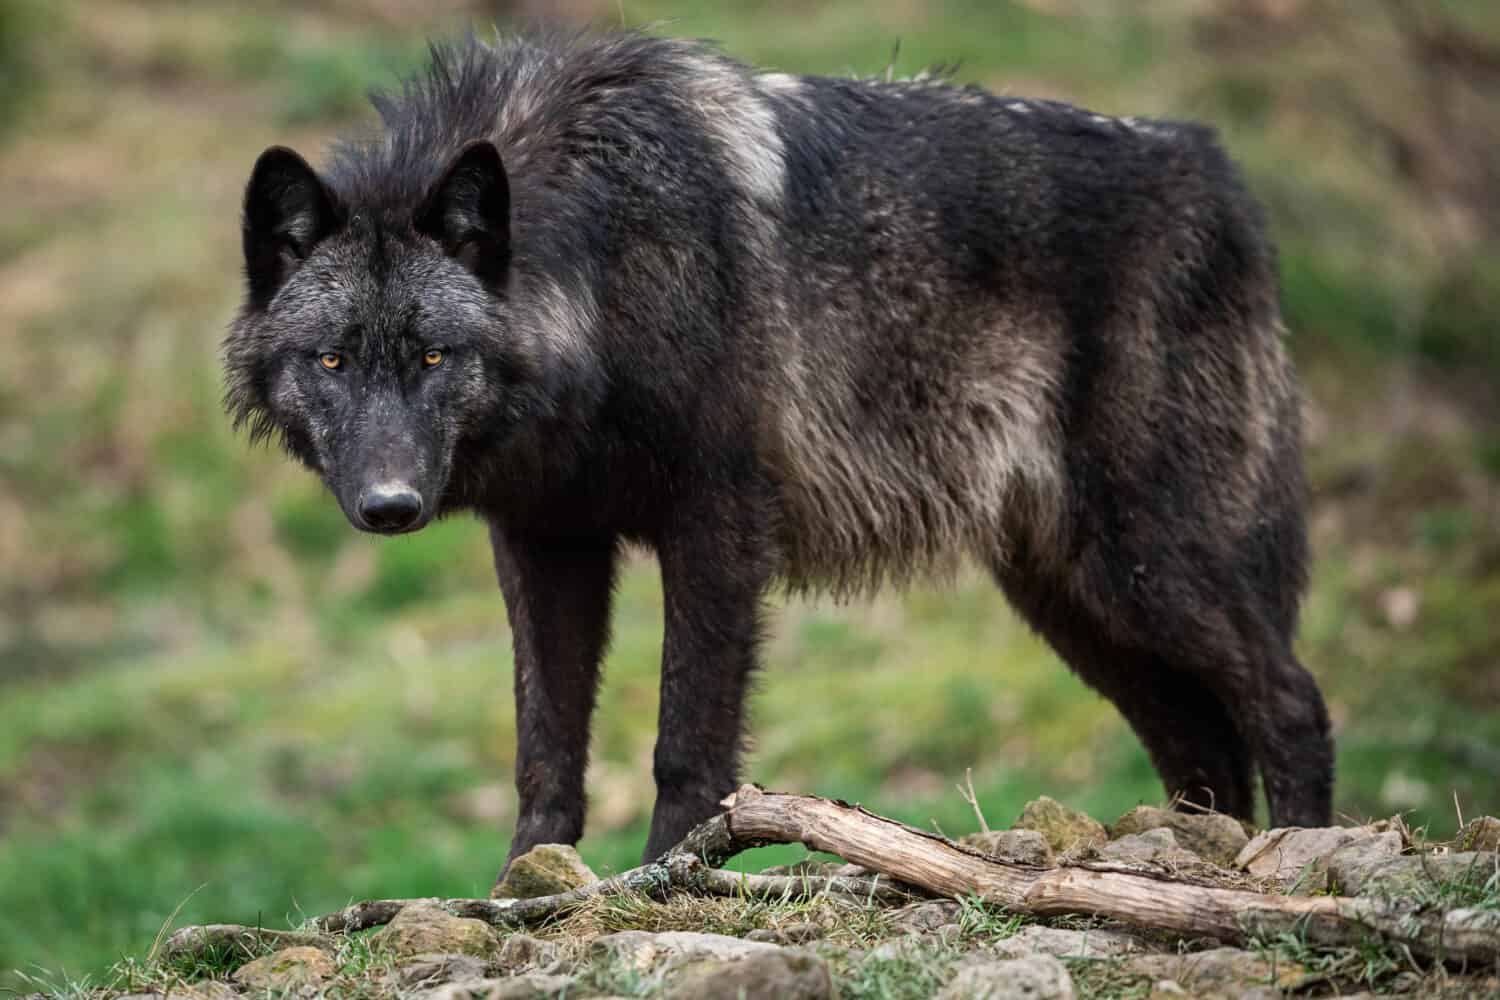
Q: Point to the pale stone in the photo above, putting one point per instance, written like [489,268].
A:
[545,870]
[1158,847]
[1064,943]
[778,974]
[1298,856]
[1212,836]
[425,928]
[929,916]
[1410,876]
[431,969]
[1221,972]
[1063,828]
[288,969]
[533,986]
[643,949]
[523,951]
[1038,977]
[1027,847]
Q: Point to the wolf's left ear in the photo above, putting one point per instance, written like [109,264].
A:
[468,212]
[288,211]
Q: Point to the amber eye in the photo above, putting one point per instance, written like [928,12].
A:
[331,360]
[432,357]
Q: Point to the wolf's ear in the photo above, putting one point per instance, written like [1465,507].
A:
[468,212]
[288,211]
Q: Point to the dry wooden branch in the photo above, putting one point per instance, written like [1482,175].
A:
[754,819]
[1155,903]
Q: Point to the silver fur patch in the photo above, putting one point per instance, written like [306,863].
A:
[780,84]
[738,116]
[871,504]
[566,315]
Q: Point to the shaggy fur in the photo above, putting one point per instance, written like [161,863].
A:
[831,332]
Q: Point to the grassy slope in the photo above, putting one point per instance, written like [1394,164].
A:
[212,689]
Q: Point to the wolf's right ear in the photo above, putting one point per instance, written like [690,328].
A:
[288,211]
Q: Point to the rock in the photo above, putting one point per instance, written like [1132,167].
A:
[426,928]
[1298,856]
[918,918]
[1063,828]
[799,933]
[1063,943]
[288,969]
[533,986]
[1482,834]
[429,970]
[1039,977]
[209,990]
[643,949]
[1212,836]
[545,870]
[1158,847]
[520,951]
[770,975]
[1027,847]
[1411,875]
[1221,972]
[1349,866]
[899,949]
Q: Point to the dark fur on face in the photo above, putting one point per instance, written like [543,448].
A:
[830,332]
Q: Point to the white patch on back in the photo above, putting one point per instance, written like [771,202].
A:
[1149,128]
[780,84]
[740,119]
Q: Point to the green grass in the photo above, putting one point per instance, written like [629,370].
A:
[213,694]
[268,782]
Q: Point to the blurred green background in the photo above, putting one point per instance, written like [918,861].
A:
[213,690]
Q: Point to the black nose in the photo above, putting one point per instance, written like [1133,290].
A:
[390,508]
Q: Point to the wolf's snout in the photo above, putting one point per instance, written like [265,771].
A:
[390,507]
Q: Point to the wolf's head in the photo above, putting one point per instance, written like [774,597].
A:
[373,344]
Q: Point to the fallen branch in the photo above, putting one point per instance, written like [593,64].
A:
[1154,903]
[754,819]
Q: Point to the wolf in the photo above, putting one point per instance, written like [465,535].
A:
[608,288]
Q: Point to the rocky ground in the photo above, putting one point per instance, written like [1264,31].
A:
[688,946]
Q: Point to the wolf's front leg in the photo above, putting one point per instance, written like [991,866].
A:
[715,569]
[557,595]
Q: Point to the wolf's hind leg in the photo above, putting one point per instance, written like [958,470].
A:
[1194,741]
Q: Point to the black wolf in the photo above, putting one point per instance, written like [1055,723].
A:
[610,288]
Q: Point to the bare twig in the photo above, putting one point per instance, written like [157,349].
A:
[967,791]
